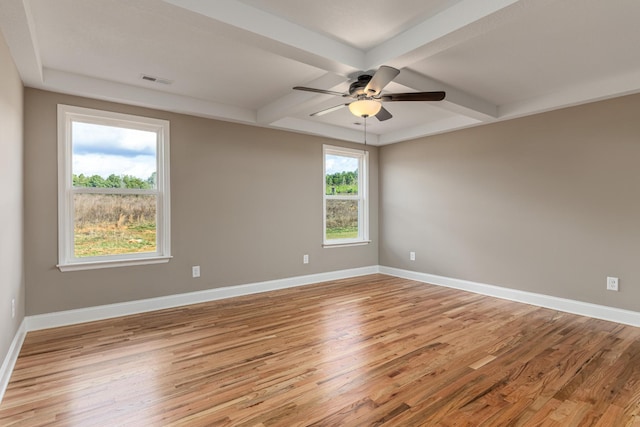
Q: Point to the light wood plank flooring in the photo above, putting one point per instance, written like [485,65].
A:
[373,350]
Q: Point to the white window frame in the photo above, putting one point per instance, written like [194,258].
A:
[362,197]
[66,258]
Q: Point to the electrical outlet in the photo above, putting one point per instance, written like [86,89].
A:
[13,308]
[305,259]
[412,256]
[612,284]
[195,271]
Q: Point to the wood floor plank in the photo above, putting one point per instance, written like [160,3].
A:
[371,351]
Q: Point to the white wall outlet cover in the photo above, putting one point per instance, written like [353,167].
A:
[195,271]
[612,283]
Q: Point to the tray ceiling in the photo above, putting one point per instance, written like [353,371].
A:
[238,60]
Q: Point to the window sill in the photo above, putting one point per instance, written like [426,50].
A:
[93,265]
[346,244]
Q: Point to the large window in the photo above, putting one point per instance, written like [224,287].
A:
[113,189]
[345,196]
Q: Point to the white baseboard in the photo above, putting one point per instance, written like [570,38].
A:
[70,317]
[89,314]
[63,318]
[603,312]
[12,356]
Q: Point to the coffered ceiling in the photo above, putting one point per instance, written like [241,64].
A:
[238,60]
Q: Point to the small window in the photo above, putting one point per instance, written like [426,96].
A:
[113,184]
[346,210]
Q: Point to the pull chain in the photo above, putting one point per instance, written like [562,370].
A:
[365,130]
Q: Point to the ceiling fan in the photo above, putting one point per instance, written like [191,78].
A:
[368,97]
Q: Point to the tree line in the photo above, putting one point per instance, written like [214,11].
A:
[343,178]
[114,181]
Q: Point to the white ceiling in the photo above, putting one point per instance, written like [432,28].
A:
[238,60]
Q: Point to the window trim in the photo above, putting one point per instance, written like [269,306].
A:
[362,197]
[66,259]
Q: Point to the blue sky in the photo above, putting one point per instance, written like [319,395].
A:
[105,150]
[335,164]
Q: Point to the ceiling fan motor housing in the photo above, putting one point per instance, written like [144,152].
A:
[357,87]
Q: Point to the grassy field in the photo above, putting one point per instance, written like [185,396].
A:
[342,219]
[107,239]
[342,233]
[107,224]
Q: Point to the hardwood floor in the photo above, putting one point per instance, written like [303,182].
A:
[373,350]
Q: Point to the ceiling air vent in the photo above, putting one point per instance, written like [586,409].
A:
[155,79]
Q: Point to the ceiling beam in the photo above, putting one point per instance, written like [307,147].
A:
[457,24]
[19,32]
[456,100]
[278,35]
[298,100]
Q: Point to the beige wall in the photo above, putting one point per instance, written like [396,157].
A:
[548,203]
[246,205]
[11,169]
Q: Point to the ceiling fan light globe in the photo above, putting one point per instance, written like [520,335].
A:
[365,107]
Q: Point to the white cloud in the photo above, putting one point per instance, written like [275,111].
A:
[107,164]
[105,150]
[335,164]
[94,137]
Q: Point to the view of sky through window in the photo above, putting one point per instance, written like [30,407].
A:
[105,150]
[335,164]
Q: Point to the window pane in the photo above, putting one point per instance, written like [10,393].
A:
[341,173]
[342,219]
[110,224]
[113,157]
